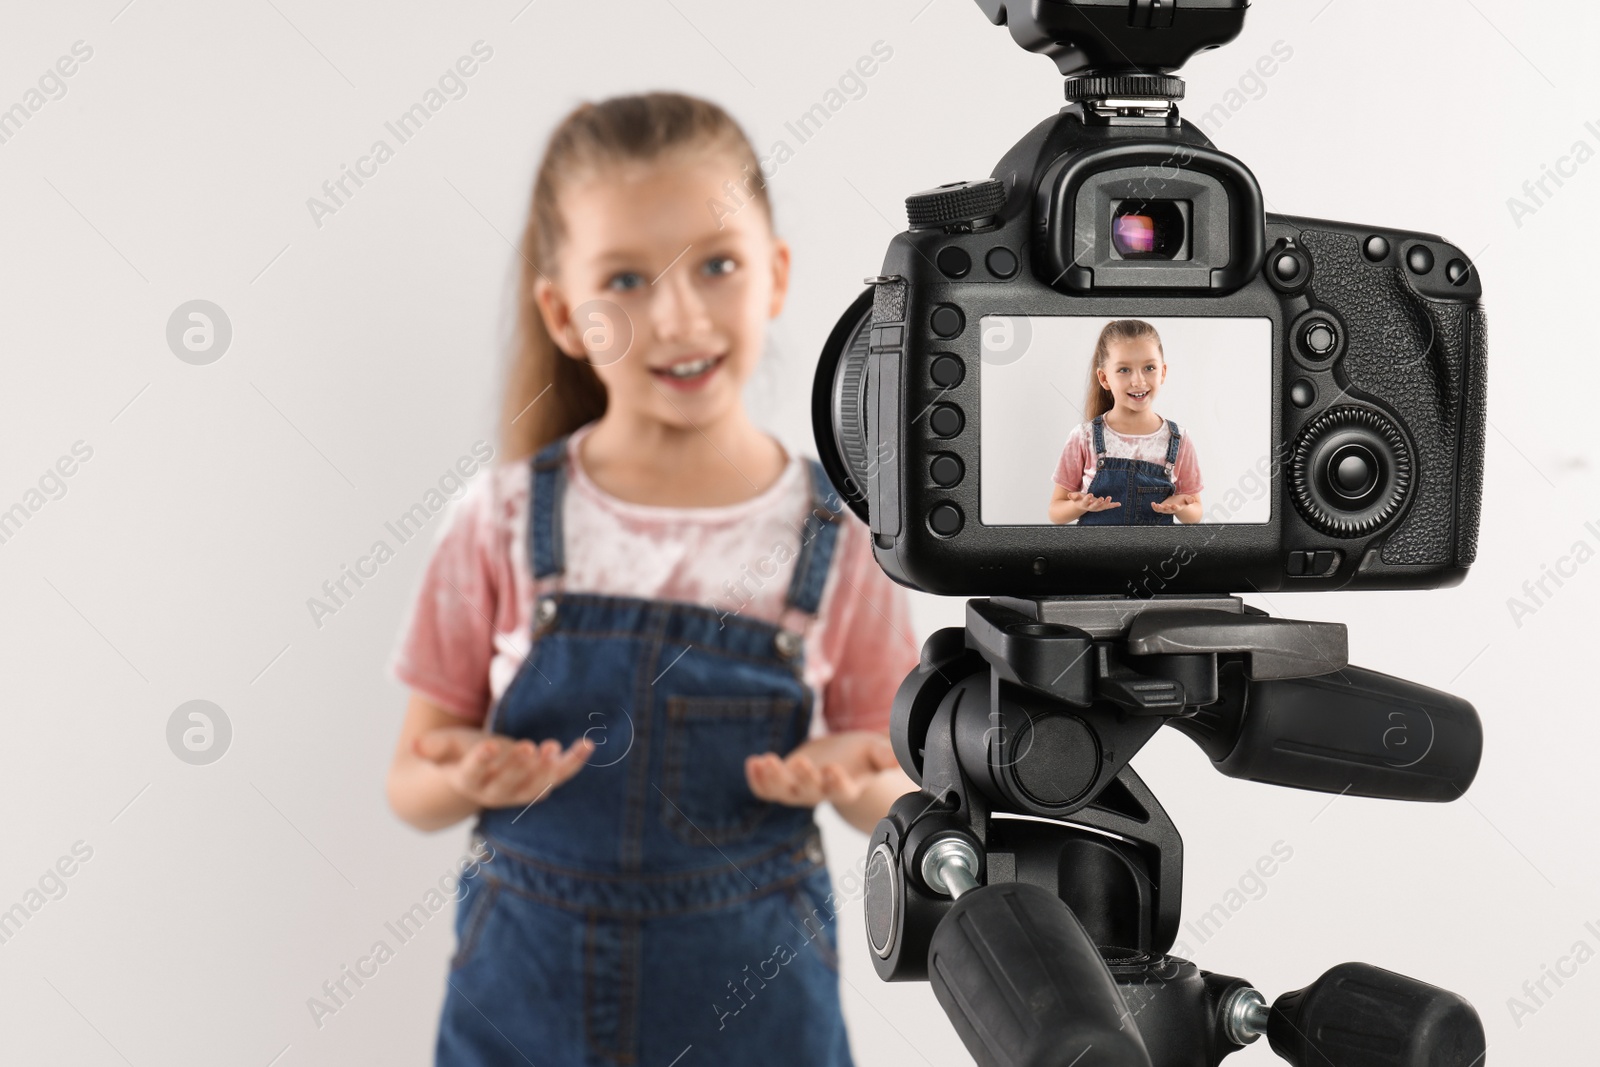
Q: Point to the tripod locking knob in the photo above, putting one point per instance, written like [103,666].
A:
[1358,1015]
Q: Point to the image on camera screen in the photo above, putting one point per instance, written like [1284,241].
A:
[1125,421]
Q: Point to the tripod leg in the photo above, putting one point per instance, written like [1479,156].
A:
[1025,987]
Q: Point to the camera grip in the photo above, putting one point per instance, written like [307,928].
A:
[1025,987]
[1425,360]
[1360,732]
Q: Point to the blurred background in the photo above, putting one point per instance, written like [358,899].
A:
[355,356]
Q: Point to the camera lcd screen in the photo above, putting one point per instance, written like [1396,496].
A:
[1079,413]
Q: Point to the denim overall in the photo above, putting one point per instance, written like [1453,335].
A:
[651,910]
[1135,483]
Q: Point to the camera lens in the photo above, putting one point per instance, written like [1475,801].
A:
[1148,229]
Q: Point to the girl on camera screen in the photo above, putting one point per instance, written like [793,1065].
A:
[1125,464]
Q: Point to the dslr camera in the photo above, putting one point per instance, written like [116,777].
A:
[1101,391]
[1328,376]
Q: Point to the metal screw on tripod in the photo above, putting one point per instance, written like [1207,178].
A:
[1245,1015]
[950,866]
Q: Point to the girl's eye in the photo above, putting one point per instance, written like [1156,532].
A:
[717,266]
[625,281]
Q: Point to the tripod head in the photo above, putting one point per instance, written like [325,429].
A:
[1034,863]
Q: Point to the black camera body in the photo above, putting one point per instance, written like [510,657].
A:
[1349,360]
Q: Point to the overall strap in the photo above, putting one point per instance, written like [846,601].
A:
[1099,435]
[818,538]
[548,483]
[1173,440]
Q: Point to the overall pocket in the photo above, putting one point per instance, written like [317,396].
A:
[472,914]
[814,905]
[1147,491]
[706,798]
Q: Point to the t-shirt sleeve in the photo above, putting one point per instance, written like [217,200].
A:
[1074,459]
[867,637]
[1186,471]
[447,643]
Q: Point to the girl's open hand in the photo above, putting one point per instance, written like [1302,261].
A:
[495,771]
[1090,502]
[835,768]
[1175,503]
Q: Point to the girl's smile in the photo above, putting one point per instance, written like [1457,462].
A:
[695,291]
[1132,373]
[689,373]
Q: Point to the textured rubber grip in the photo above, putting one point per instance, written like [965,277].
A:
[1359,732]
[1025,987]
[1358,1015]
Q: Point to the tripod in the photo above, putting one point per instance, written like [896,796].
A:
[1035,880]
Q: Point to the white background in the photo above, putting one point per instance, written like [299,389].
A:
[365,360]
[1218,390]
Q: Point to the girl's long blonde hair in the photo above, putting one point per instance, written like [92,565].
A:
[640,128]
[1100,400]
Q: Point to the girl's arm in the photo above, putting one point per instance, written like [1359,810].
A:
[443,770]
[1066,506]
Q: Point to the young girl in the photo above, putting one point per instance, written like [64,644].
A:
[620,639]
[1125,464]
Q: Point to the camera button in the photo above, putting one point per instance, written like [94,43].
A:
[1287,267]
[945,520]
[953,262]
[1457,271]
[1419,259]
[946,470]
[1376,249]
[947,320]
[1302,393]
[1320,338]
[1298,563]
[946,420]
[1002,262]
[947,371]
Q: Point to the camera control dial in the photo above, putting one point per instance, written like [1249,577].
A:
[956,207]
[1350,472]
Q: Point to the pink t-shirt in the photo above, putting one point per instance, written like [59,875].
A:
[1075,469]
[468,629]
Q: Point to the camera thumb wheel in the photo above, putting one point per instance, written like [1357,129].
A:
[1025,987]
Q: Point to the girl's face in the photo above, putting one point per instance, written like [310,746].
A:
[1133,372]
[665,296]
